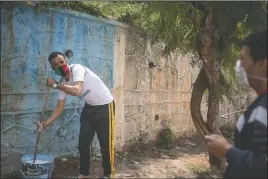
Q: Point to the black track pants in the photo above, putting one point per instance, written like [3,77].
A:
[99,119]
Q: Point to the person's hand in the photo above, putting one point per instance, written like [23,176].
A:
[50,81]
[41,126]
[217,145]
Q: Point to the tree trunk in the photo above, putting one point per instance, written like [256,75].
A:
[199,87]
[205,128]
[211,63]
[212,125]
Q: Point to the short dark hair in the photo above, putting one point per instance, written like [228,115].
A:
[53,55]
[68,51]
[257,43]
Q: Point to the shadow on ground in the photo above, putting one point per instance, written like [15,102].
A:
[187,159]
[10,162]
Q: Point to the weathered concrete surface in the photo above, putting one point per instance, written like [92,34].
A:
[118,91]
[28,37]
[10,161]
[119,54]
[163,91]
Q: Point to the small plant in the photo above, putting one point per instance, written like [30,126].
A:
[196,169]
[165,138]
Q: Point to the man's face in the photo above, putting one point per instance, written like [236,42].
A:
[256,69]
[58,61]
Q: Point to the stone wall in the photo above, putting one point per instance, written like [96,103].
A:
[154,97]
[146,98]
[151,98]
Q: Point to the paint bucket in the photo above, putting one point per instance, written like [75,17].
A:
[42,168]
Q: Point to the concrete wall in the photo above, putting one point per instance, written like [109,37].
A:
[162,91]
[28,36]
[119,54]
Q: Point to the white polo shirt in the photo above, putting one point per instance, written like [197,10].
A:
[94,91]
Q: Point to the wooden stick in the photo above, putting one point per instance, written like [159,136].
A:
[41,119]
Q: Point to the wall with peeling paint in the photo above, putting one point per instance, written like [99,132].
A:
[153,98]
[150,99]
[27,38]
[118,53]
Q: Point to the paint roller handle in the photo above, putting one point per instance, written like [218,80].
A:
[42,124]
[41,118]
[45,105]
[36,145]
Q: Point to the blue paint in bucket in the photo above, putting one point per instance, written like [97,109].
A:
[37,170]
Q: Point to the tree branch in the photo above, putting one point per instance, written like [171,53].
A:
[199,6]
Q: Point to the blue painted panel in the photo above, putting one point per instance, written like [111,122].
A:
[27,38]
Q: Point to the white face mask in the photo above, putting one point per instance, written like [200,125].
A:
[241,74]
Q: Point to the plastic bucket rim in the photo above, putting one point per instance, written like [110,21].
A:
[25,160]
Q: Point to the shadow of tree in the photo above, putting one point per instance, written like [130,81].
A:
[138,156]
[191,145]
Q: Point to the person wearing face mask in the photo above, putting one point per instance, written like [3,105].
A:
[96,116]
[248,157]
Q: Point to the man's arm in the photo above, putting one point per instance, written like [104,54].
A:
[56,112]
[78,74]
[74,90]
[248,162]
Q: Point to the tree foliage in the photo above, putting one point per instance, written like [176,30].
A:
[178,24]
[211,30]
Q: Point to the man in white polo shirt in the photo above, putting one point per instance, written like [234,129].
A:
[97,114]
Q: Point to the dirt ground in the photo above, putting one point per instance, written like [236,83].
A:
[187,159]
